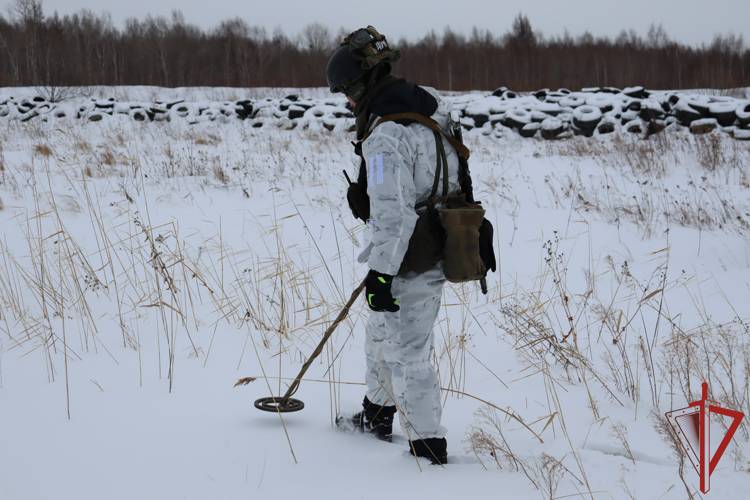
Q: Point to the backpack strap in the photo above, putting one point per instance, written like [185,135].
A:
[442,161]
[461,150]
[441,165]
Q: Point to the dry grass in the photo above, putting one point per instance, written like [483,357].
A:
[628,344]
[82,146]
[150,274]
[107,157]
[42,150]
[640,181]
[654,155]
[143,268]
[207,140]
[220,175]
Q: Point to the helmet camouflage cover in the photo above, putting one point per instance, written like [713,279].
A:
[359,52]
[370,47]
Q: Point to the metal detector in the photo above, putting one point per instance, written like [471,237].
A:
[286,403]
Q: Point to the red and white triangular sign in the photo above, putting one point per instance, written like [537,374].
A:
[685,423]
[692,425]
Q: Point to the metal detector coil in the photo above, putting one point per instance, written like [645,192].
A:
[286,403]
[279,405]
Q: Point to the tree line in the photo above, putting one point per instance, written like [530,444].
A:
[87,49]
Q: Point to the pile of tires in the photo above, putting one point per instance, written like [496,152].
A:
[545,114]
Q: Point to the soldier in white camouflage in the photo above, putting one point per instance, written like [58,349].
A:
[397,176]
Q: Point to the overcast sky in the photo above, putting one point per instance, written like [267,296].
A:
[691,21]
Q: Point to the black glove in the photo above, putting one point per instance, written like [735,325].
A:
[378,292]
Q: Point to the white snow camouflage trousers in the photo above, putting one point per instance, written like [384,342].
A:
[401,163]
[398,347]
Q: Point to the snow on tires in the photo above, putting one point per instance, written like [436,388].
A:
[551,114]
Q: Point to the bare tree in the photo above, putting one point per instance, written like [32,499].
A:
[315,37]
[86,49]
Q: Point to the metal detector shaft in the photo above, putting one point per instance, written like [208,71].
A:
[342,314]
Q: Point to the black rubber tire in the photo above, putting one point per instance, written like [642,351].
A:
[479,119]
[586,117]
[700,106]
[582,132]
[552,128]
[182,111]
[572,101]
[743,114]
[517,118]
[296,112]
[686,114]
[655,127]
[634,105]
[30,115]
[606,127]
[648,114]
[637,92]
[498,92]
[724,112]
[634,127]
[530,130]
[244,109]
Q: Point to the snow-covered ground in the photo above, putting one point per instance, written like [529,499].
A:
[145,267]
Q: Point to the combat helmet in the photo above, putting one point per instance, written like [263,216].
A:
[362,54]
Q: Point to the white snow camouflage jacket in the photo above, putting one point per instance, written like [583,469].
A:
[401,162]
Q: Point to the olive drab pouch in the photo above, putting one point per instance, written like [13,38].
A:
[425,245]
[461,220]
[462,259]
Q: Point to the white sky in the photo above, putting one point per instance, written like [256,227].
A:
[691,21]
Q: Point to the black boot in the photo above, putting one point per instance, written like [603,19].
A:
[375,419]
[436,449]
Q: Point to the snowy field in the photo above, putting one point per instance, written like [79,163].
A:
[145,267]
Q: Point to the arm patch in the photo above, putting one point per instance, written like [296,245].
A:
[376,169]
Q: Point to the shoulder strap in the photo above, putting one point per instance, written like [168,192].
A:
[442,161]
[441,165]
[461,150]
